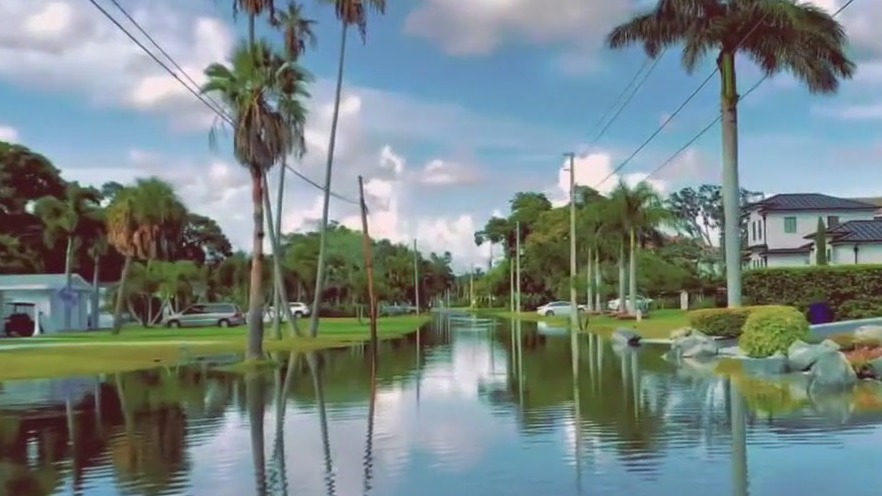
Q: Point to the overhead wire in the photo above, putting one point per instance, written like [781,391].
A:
[718,118]
[206,100]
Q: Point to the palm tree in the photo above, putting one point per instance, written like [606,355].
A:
[349,13]
[779,35]
[640,210]
[143,221]
[260,113]
[63,218]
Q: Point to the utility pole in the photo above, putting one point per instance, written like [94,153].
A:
[511,306]
[369,267]
[518,267]
[575,322]
[471,287]
[416,277]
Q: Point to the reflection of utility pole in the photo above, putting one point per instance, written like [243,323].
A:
[518,267]
[739,442]
[416,278]
[574,307]
[577,408]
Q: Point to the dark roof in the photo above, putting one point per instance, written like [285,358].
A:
[788,251]
[810,201]
[857,231]
[874,200]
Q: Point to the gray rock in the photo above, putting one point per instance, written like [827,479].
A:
[833,345]
[764,367]
[876,367]
[732,351]
[801,355]
[695,345]
[626,336]
[681,333]
[831,371]
[868,332]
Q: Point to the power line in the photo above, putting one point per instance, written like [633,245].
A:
[207,101]
[678,110]
[717,119]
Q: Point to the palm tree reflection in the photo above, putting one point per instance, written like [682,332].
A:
[256,410]
[319,388]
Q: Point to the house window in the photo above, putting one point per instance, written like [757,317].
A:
[753,229]
[829,255]
[832,221]
[790,225]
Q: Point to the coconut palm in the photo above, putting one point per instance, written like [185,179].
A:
[349,13]
[779,35]
[260,111]
[63,218]
[144,221]
[640,211]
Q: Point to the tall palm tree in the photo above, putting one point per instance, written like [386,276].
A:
[143,222]
[64,218]
[779,35]
[259,112]
[640,210]
[349,13]
[298,34]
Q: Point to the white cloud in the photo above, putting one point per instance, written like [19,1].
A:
[595,170]
[67,45]
[9,134]
[445,173]
[856,112]
[481,27]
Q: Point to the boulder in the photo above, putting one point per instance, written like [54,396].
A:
[764,367]
[696,345]
[626,337]
[732,351]
[876,367]
[831,371]
[681,333]
[801,355]
[868,332]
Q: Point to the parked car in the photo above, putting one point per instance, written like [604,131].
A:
[558,308]
[298,310]
[643,303]
[396,309]
[19,319]
[207,314]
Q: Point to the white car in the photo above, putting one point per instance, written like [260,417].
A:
[298,309]
[642,304]
[560,308]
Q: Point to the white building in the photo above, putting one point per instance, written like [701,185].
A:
[46,292]
[781,229]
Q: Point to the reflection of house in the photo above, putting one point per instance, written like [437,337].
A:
[777,228]
[48,295]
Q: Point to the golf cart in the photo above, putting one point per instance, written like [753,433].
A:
[19,319]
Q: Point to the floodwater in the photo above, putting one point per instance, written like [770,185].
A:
[463,408]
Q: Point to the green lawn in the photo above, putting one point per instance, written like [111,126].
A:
[659,324]
[88,353]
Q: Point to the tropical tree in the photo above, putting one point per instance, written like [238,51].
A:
[63,218]
[779,35]
[260,114]
[639,209]
[349,13]
[144,221]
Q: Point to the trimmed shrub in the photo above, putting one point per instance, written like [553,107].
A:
[772,329]
[723,322]
[860,309]
[800,286]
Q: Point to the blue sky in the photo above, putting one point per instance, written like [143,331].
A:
[450,108]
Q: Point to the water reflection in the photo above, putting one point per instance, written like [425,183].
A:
[459,408]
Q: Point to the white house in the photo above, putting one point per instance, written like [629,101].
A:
[851,243]
[47,293]
[779,228]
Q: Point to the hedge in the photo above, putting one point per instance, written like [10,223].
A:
[722,322]
[772,329]
[801,286]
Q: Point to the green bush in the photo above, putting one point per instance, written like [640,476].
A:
[860,309]
[800,286]
[771,329]
[722,322]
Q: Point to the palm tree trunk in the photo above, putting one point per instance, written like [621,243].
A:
[597,281]
[280,290]
[326,200]
[632,273]
[731,189]
[68,280]
[120,295]
[280,205]
[621,275]
[95,296]
[589,291]
[255,291]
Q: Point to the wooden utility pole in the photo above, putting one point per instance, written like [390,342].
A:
[369,266]
[518,267]
[575,322]
[416,277]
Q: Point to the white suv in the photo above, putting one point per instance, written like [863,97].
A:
[298,309]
